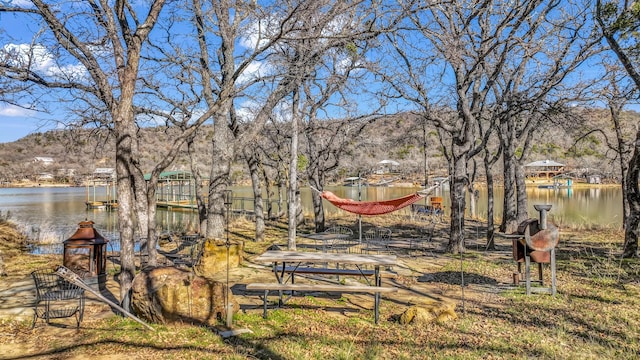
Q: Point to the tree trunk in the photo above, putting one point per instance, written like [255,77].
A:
[124,137]
[222,154]
[491,245]
[623,160]
[631,229]
[299,208]
[282,188]
[318,206]
[521,195]
[473,212]
[458,203]
[151,234]
[269,192]
[252,163]
[199,192]
[294,193]
[509,209]
[141,205]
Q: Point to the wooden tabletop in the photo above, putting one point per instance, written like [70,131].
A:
[316,257]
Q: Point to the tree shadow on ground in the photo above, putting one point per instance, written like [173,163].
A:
[455,278]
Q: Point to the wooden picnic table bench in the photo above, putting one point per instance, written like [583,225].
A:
[299,258]
[266,287]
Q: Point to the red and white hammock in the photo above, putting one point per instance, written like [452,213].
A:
[374,207]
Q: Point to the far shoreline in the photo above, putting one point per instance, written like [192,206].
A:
[478,184]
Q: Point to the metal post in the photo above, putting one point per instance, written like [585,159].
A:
[542,210]
[228,201]
[359,216]
[376,300]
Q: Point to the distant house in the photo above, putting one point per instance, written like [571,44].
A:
[387,166]
[104,173]
[66,172]
[46,161]
[543,169]
[594,179]
[45,177]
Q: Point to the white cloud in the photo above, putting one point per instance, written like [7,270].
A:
[20,3]
[39,59]
[257,33]
[15,111]
[247,110]
[253,71]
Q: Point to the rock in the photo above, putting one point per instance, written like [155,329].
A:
[168,294]
[213,257]
[427,313]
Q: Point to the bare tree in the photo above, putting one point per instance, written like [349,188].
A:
[559,33]
[294,191]
[469,62]
[288,41]
[619,22]
[451,55]
[254,163]
[327,140]
[106,40]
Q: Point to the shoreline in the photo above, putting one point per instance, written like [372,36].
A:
[480,184]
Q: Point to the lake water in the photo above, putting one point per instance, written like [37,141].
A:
[53,214]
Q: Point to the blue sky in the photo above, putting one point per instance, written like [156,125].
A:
[16,122]
[16,34]
[16,127]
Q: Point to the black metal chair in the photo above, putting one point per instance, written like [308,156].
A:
[376,240]
[342,242]
[186,252]
[56,298]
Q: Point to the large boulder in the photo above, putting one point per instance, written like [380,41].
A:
[425,313]
[213,257]
[168,294]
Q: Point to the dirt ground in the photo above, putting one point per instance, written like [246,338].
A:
[420,269]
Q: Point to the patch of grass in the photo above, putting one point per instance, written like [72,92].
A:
[593,316]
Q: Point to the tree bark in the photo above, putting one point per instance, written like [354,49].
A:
[509,210]
[490,201]
[521,195]
[223,154]
[457,196]
[258,209]
[622,159]
[199,192]
[294,192]
[632,225]
[318,207]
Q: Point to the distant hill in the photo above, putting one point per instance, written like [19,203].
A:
[77,153]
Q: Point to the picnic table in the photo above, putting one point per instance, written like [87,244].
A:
[294,262]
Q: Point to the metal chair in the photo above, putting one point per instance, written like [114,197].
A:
[56,298]
[187,250]
[376,240]
[339,230]
[342,242]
